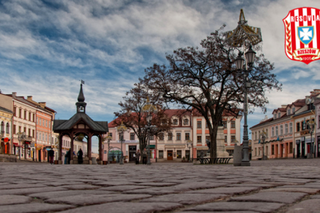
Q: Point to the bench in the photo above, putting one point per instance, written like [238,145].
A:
[215,160]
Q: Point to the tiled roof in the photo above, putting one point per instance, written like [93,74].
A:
[262,123]
[100,126]
[5,110]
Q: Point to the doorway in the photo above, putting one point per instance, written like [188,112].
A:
[281,150]
[303,145]
[132,151]
[169,155]
[39,155]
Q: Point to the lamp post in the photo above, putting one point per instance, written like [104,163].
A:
[109,137]
[249,55]
[263,136]
[148,108]
[21,137]
[311,126]
[189,143]
[121,129]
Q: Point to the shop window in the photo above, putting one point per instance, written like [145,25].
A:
[160,154]
[179,153]
[290,148]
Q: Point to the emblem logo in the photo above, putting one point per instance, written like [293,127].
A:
[302,34]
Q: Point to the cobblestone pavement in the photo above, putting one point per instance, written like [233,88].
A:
[266,186]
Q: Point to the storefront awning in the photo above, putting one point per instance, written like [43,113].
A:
[15,144]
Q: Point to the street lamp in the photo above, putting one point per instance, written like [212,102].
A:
[109,137]
[121,129]
[189,144]
[263,136]
[149,108]
[21,137]
[249,55]
[311,126]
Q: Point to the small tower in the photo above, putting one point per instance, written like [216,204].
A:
[81,105]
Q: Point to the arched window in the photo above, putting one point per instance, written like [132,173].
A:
[7,128]
[2,127]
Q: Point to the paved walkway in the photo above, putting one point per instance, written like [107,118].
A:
[267,186]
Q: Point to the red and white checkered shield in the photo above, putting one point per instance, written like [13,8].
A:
[302,34]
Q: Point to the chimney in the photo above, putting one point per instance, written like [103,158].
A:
[14,94]
[42,104]
[29,98]
[283,106]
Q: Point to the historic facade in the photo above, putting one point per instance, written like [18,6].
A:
[6,114]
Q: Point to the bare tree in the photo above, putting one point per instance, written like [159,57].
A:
[133,117]
[206,79]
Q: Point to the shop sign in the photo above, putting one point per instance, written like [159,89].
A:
[304,132]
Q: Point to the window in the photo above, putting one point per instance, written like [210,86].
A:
[161,136]
[208,138]
[25,130]
[225,139]
[151,137]
[256,135]
[19,128]
[266,132]
[199,124]
[187,136]
[178,136]
[298,127]
[179,153]
[233,124]
[29,132]
[272,131]
[281,129]
[29,116]
[33,133]
[105,151]
[160,154]
[288,111]
[186,122]
[233,138]
[175,121]
[25,114]
[303,125]
[277,132]
[290,127]
[293,110]
[224,124]
[290,148]
[170,136]
[14,129]
[255,151]
[46,123]
[19,113]
[14,111]
[199,139]
[286,128]
[279,115]
[274,116]
[131,136]
[7,128]
[188,154]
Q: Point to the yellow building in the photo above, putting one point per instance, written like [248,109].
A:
[5,124]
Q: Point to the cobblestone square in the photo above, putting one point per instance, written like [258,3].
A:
[288,185]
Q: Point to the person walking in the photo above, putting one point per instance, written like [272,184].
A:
[67,157]
[144,156]
[80,156]
[51,155]
[137,156]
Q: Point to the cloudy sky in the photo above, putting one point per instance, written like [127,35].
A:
[47,47]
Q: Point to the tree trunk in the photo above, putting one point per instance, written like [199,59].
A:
[213,142]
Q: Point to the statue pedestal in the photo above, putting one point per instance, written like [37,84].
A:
[221,148]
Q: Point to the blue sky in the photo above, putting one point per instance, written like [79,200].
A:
[48,46]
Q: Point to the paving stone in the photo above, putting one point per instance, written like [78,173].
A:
[125,207]
[306,206]
[184,198]
[84,199]
[152,191]
[271,196]
[197,185]
[80,187]
[13,199]
[33,207]
[26,191]
[66,193]
[156,184]
[237,206]
[220,212]
[315,197]
[262,185]
[226,190]
[122,188]
[288,189]
[20,186]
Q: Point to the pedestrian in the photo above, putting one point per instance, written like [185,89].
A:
[80,155]
[144,156]
[67,157]
[51,155]
[137,156]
